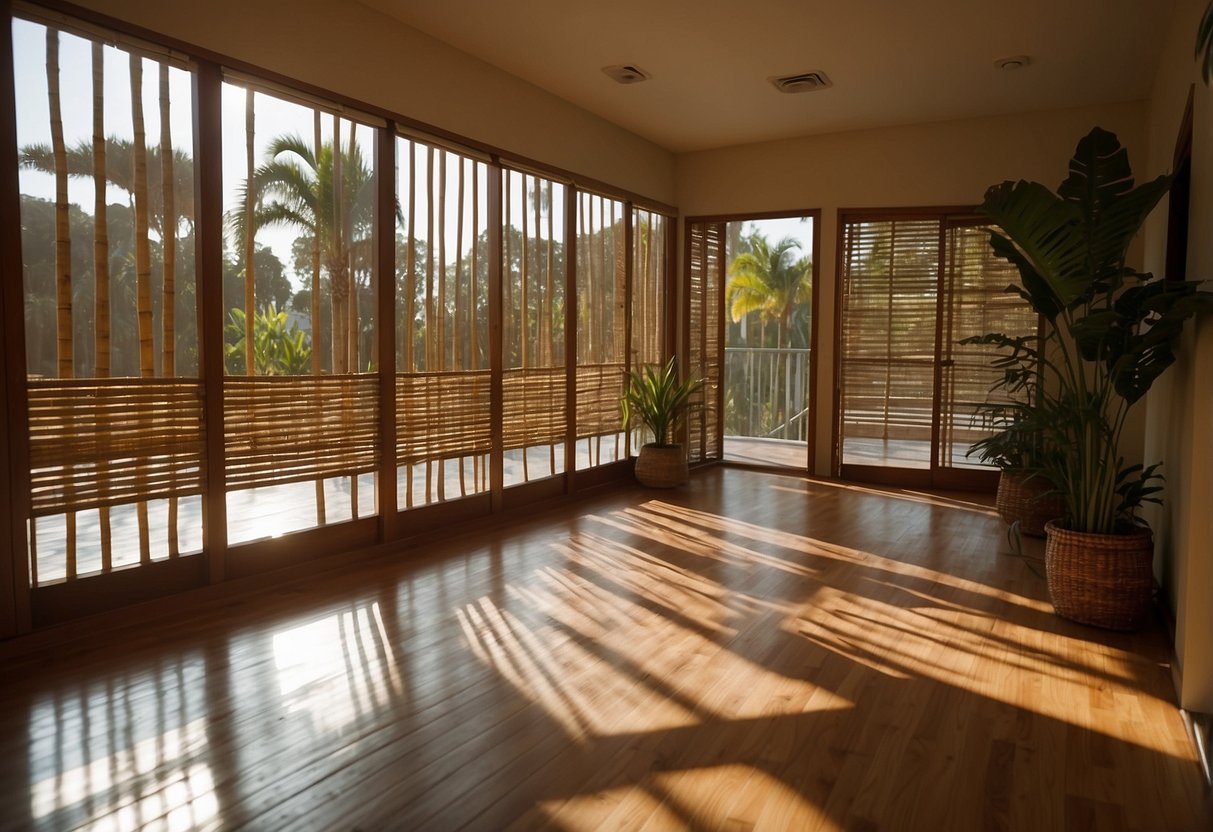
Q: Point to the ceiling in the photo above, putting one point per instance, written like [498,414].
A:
[891,61]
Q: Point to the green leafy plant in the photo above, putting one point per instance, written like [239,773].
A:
[1016,436]
[278,350]
[656,398]
[1110,329]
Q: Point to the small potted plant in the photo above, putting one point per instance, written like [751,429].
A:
[1109,333]
[656,399]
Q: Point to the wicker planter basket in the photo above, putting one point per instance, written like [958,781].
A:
[1102,579]
[662,466]
[1019,500]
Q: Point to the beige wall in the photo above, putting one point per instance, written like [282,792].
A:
[949,163]
[351,49]
[1179,409]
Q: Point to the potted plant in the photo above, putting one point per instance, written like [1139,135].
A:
[1109,333]
[656,398]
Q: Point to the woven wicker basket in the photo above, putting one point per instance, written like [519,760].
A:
[1102,579]
[1020,499]
[662,466]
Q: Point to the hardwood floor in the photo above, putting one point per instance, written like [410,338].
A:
[751,651]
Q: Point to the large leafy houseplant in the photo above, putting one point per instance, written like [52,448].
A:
[1110,329]
[1109,333]
[657,399]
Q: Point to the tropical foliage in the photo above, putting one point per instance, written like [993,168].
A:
[327,194]
[280,348]
[656,399]
[771,281]
[1110,329]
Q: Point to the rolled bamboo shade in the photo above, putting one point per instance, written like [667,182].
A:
[599,392]
[705,287]
[283,429]
[106,442]
[889,291]
[975,283]
[442,415]
[534,406]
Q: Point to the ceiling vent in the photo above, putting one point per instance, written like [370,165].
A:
[805,82]
[627,73]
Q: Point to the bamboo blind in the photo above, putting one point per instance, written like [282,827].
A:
[705,287]
[601,326]
[534,381]
[648,287]
[599,392]
[105,442]
[283,429]
[534,406]
[441,416]
[889,294]
[977,302]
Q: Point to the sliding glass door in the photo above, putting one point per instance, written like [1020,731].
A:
[913,285]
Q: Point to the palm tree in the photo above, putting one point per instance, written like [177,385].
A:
[326,198]
[116,157]
[770,281]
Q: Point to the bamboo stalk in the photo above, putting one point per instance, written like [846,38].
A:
[338,268]
[101,274]
[355,331]
[410,293]
[475,318]
[143,265]
[63,240]
[351,259]
[428,331]
[317,142]
[250,230]
[169,243]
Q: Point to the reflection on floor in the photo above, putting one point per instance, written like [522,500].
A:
[750,651]
[780,453]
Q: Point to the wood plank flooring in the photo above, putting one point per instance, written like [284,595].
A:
[752,651]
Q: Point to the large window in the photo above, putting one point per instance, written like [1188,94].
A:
[213,263]
[533,344]
[442,313]
[601,329]
[107,216]
[300,399]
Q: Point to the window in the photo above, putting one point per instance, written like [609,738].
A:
[107,215]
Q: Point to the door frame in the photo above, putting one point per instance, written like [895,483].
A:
[814,329]
[933,476]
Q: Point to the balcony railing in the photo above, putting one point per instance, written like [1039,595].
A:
[766,392]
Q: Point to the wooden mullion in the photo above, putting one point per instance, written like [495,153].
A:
[669,291]
[496,353]
[384,280]
[208,188]
[15,617]
[629,268]
[940,300]
[814,329]
[842,262]
[721,233]
[570,338]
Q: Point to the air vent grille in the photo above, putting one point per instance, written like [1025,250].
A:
[804,82]
[626,73]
